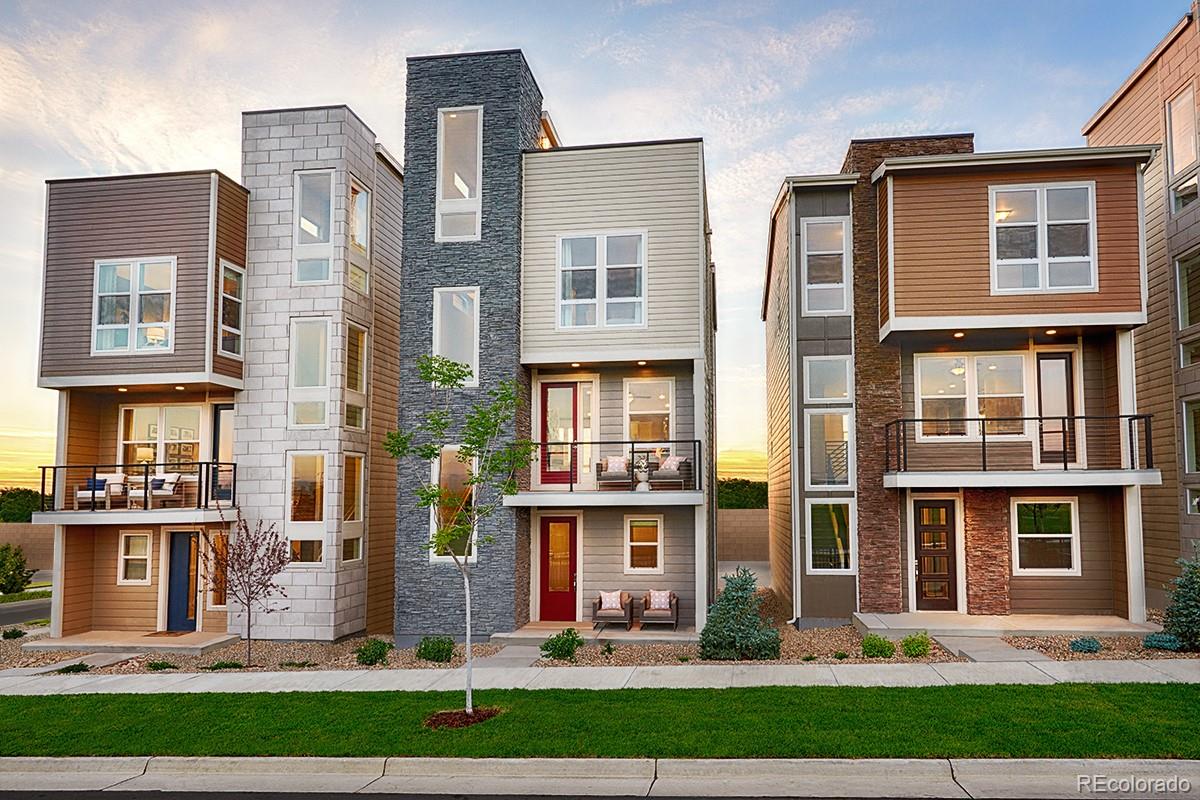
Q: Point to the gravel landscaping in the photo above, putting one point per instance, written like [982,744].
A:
[12,657]
[1112,648]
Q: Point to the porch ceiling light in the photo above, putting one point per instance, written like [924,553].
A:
[574,363]
[959,334]
[641,363]
[179,388]
[1051,332]
[122,389]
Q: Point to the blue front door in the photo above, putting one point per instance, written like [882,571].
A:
[181,585]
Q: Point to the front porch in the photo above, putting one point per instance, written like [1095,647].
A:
[951,623]
[534,633]
[193,643]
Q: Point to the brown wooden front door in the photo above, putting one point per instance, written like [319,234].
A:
[936,559]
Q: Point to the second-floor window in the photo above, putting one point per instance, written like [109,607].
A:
[308,372]
[134,306]
[456,327]
[1043,238]
[953,390]
[360,237]
[312,242]
[1181,133]
[233,296]
[356,377]
[161,435]
[602,280]
[459,174]
[824,266]
[306,506]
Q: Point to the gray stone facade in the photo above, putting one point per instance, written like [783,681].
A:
[429,595]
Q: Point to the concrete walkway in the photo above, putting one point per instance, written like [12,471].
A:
[904,778]
[699,676]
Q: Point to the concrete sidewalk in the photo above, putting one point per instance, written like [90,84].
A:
[696,676]
[903,778]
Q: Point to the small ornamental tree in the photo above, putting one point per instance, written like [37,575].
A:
[1182,617]
[244,566]
[489,455]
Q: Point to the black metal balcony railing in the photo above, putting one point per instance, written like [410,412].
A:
[141,486]
[1086,442]
[585,465]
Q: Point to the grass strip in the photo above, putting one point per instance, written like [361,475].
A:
[17,597]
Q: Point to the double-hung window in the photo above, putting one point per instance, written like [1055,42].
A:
[459,174]
[451,473]
[312,244]
[602,280]
[956,393]
[134,305]
[308,373]
[824,266]
[359,272]
[306,506]
[133,560]
[1045,536]
[1182,151]
[644,545]
[1043,238]
[233,309]
[456,327]
[356,377]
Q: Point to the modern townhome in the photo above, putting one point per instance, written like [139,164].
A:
[221,347]
[953,421]
[583,273]
[1157,104]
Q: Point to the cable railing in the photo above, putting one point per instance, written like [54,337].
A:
[142,486]
[618,465]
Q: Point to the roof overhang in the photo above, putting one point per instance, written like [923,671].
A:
[1015,158]
[1029,477]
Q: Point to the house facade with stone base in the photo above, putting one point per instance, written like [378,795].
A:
[953,421]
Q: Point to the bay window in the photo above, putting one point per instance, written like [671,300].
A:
[602,280]
[1045,536]
[134,306]
[459,174]
[824,266]
[353,501]
[456,327]
[1043,238]
[955,393]
[308,373]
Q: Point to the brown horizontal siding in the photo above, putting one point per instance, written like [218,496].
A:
[77,579]
[232,210]
[780,407]
[884,309]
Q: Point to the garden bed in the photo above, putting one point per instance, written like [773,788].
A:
[1112,648]
[13,657]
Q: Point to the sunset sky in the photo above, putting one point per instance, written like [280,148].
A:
[775,88]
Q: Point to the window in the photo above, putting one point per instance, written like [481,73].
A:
[218,542]
[459,173]
[308,373]
[167,435]
[829,442]
[360,237]
[233,295]
[1191,428]
[134,303]
[831,541]
[1184,194]
[953,389]
[649,409]
[456,327]
[352,549]
[305,524]
[312,244]
[1045,536]
[608,267]
[1193,501]
[1181,132]
[1000,390]
[353,500]
[452,475]
[1043,239]
[356,378]
[307,551]
[824,266]
[1189,353]
[644,545]
[1188,282]
[133,560]
[827,379]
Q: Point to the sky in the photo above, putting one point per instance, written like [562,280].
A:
[774,88]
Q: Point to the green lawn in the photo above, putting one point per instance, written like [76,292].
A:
[1063,721]
[19,596]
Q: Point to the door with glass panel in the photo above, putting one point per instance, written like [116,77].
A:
[935,555]
[559,423]
[1056,408]
[558,568]
[221,480]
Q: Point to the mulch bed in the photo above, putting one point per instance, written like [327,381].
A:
[1112,648]
[460,718]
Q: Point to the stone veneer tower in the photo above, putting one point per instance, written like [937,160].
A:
[428,593]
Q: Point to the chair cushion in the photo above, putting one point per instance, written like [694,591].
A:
[112,477]
[667,475]
[616,464]
[660,601]
[614,476]
[610,601]
[658,613]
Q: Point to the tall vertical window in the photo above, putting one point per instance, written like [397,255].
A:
[1181,132]
[218,590]
[459,173]
[1191,435]
[456,327]
[828,440]
[356,377]
[306,506]
[452,476]
[313,235]
[649,409]
[360,238]
[831,540]
[828,379]
[233,294]
[1043,238]
[133,306]
[353,491]
[1188,275]
[1000,393]
[1045,536]
[824,266]
[602,280]
[308,373]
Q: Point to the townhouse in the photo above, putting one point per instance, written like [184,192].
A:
[1157,105]
[953,420]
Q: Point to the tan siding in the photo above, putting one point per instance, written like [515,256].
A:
[884,309]
[123,608]
[780,406]
[232,209]
[77,579]
[940,225]
[651,187]
[83,428]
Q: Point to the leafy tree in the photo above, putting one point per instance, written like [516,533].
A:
[490,456]
[741,493]
[14,577]
[18,505]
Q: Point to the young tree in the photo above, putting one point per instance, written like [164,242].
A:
[489,455]
[244,565]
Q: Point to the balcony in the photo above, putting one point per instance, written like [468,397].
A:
[172,492]
[946,452]
[614,472]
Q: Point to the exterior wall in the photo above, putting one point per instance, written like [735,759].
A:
[654,187]
[940,243]
[988,550]
[123,608]
[427,594]
[232,207]
[35,541]
[777,313]
[743,534]
[77,579]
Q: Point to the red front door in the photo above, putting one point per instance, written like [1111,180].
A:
[559,423]
[558,559]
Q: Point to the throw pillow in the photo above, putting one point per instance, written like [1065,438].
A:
[96,484]
[610,601]
[660,601]
[157,483]
[671,463]
[616,464]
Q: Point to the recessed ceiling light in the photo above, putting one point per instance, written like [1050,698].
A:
[122,389]
[574,363]
[1051,331]
[959,334]
[179,388]
[641,363]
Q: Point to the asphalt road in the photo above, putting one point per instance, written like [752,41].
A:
[16,613]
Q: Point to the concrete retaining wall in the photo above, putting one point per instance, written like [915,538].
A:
[742,534]
[36,541]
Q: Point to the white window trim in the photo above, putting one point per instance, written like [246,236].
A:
[809,502]
[307,531]
[1076,566]
[359,258]
[601,268]
[1189,435]
[122,558]
[435,470]
[626,383]
[309,393]
[660,543]
[240,330]
[460,206]
[1179,294]
[358,398]
[321,250]
[850,451]
[1043,258]
[204,431]
[846,260]
[473,381]
[847,362]
[971,391]
[1175,178]
[353,529]
[135,265]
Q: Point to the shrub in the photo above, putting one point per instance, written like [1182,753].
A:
[915,645]
[372,652]
[608,649]
[562,646]
[218,665]
[1085,644]
[14,577]
[159,666]
[1162,641]
[841,655]
[18,505]
[71,669]
[735,630]
[875,646]
[13,633]
[297,664]
[809,657]
[741,493]
[436,648]
[1182,617]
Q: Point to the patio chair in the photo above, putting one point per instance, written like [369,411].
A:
[614,478]
[666,616]
[623,614]
[106,487]
[673,472]
[165,490]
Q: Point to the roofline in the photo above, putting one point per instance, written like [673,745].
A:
[612,145]
[389,159]
[834,179]
[914,137]
[136,175]
[500,52]
[549,123]
[1125,86]
[1138,152]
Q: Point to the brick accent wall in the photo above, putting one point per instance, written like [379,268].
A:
[988,550]
[877,374]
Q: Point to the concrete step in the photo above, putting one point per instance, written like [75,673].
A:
[978,648]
